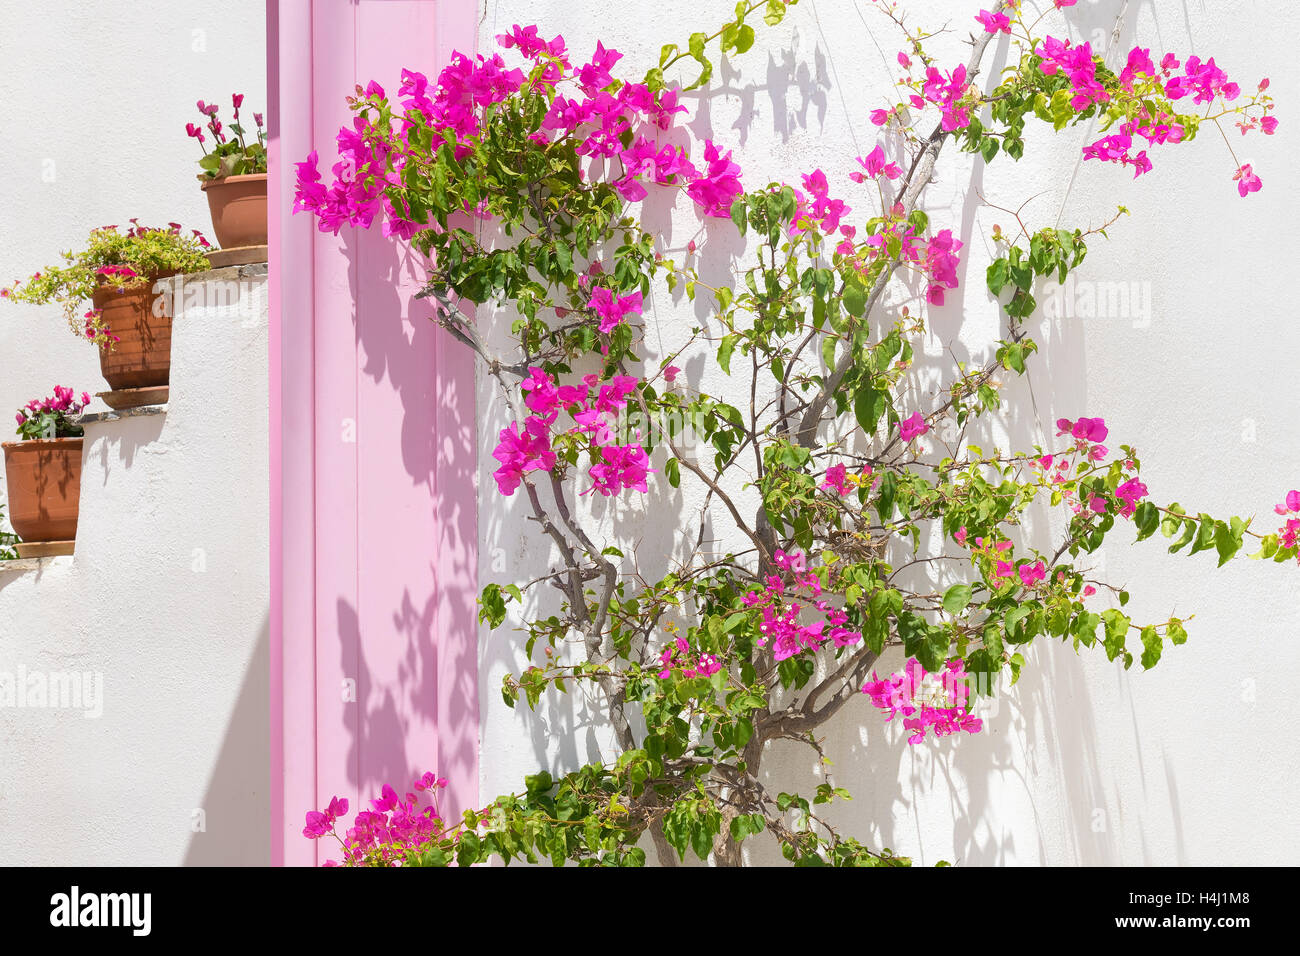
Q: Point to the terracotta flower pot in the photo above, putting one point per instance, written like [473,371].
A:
[238,207]
[143,356]
[44,478]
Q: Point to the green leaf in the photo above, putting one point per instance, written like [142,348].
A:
[724,351]
[1152,645]
[885,499]
[998,275]
[956,598]
[854,297]
[738,213]
[1117,626]
[1146,519]
[868,406]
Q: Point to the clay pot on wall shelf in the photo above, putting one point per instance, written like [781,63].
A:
[142,358]
[238,207]
[44,480]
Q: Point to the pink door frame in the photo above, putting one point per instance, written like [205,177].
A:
[374,655]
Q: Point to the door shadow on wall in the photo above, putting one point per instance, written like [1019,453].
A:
[235,805]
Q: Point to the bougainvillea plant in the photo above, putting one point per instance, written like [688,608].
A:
[53,417]
[230,155]
[861,518]
[112,258]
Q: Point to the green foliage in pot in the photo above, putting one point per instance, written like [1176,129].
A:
[111,258]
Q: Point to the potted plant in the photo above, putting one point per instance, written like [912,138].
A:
[43,468]
[116,273]
[233,176]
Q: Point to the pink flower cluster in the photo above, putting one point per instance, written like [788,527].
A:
[1203,81]
[1088,434]
[1001,562]
[678,656]
[822,211]
[608,120]
[935,257]
[837,479]
[874,166]
[781,626]
[949,93]
[594,409]
[913,427]
[1289,533]
[612,309]
[993,22]
[385,832]
[63,402]
[928,702]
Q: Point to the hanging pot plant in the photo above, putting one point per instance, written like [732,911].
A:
[233,177]
[43,469]
[117,273]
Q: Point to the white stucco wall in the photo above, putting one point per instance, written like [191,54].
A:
[1082,762]
[167,595]
[94,99]
[165,605]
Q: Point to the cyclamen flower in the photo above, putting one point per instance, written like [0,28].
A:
[912,427]
[611,309]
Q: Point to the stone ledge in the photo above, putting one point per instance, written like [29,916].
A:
[251,270]
[98,418]
[23,565]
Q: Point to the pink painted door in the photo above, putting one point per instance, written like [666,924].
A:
[374,534]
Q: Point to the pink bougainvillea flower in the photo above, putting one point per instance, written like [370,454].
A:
[1247,181]
[875,165]
[912,427]
[714,190]
[837,480]
[522,452]
[624,466]
[671,373]
[1031,574]
[613,309]
[993,22]
[1130,493]
[1085,429]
